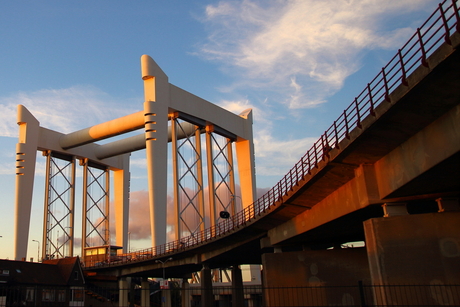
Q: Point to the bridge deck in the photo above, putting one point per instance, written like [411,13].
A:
[430,93]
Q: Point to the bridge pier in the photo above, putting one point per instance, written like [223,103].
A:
[207,295]
[237,287]
[185,293]
[145,292]
[308,271]
[414,249]
[123,290]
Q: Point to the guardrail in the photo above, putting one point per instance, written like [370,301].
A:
[435,31]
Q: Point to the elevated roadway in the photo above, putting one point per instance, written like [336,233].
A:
[401,148]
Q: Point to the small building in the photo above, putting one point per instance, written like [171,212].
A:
[58,282]
[101,255]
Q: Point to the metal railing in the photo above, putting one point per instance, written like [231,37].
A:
[435,31]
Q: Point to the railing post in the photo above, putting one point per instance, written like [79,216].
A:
[358,115]
[403,69]
[422,48]
[309,162]
[316,154]
[371,100]
[336,135]
[385,83]
[457,15]
[446,26]
[302,164]
[297,173]
[347,129]
[325,145]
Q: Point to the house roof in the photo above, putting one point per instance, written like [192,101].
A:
[55,272]
[67,267]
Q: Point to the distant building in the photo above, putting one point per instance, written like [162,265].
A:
[58,282]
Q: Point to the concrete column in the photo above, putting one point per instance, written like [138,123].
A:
[26,152]
[309,271]
[414,249]
[123,290]
[121,178]
[246,163]
[156,93]
[166,297]
[186,300]
[237,287]
[145,292]
[207,295]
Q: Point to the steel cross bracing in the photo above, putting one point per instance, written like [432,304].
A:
[188,178]
[59,206]
[96,206]
[222,186]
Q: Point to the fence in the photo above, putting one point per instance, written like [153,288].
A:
[361,295]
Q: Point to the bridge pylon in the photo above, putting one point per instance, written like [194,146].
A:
[174,124]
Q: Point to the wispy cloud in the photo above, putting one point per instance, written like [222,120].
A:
[273,156]
[63,110]
[301,46]
[289,55]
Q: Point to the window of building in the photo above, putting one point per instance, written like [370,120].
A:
[48,295]
[78,295]
[4,272]
[30,295]
[61,295]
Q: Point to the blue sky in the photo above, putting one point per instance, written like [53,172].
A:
[298,64]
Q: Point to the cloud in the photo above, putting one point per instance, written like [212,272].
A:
[276,157]
[301,46]
[273,156]
[63,110]
[139,215]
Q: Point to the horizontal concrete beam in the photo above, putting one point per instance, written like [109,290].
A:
[431,146]
[137,142]
[354,195]
[102,131]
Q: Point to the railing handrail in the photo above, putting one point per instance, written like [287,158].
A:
[434,31]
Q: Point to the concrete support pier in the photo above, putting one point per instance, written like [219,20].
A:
[185,294]
[237,287]
[207,295]
[414,249]
[314,269]
[123,290]
[145,293]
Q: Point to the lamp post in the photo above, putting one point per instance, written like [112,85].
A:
[38,250]
[163,265]
[166,301]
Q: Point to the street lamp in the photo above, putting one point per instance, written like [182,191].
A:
[163,265]
[38,250]
[163,282]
